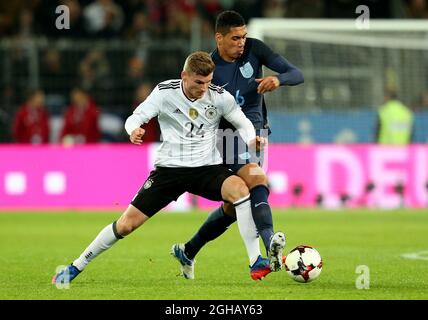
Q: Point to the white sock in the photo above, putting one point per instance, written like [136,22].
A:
[105,239]
[247,228]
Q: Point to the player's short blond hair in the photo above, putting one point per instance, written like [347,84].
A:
[200,63]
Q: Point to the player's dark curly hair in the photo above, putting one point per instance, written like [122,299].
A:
[228,19]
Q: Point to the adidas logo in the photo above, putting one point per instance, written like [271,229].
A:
[177,111]
[90,254]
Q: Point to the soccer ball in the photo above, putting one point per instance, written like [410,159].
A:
[303,264]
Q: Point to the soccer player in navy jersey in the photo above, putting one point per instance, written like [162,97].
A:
[239,61]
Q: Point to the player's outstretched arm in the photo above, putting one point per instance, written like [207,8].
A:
[288,74]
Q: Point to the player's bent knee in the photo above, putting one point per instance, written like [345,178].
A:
[253,181]
[253,175]
[234,189]
[243,190]
[257,181]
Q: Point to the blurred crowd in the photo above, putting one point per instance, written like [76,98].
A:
[80,123]
[170,18]
[76,85]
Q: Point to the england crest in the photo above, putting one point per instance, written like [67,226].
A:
[247,70]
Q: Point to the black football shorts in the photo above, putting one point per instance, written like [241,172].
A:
[165,185]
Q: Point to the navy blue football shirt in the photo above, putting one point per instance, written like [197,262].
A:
[238,78]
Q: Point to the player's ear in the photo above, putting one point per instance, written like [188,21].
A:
[183,74]
[218,37]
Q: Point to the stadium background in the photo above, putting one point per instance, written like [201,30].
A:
[144,42]
[322,154]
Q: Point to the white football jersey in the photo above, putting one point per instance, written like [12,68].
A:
[189,127]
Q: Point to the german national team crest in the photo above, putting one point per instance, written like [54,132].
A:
[148,184]
[193,113]
[247,70]
[211,112]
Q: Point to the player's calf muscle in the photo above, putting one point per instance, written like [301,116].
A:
[124,228]
[229,209]
[131,219]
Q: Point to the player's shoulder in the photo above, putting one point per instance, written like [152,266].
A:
[254,43]
[256,46]
[169,84]
[216,89]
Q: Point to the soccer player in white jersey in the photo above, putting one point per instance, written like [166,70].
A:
[189,112]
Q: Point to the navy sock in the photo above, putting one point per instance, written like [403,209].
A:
[215,225]
[262,213]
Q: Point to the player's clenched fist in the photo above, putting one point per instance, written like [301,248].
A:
[267,84]
[261,143]
[136,136]
[258,144]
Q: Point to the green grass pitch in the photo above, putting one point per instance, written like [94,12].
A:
[33,244]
